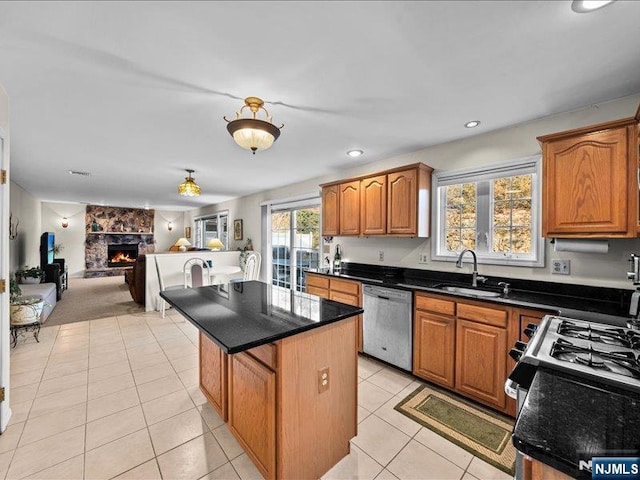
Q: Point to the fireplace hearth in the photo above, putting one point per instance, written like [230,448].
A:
[122,255]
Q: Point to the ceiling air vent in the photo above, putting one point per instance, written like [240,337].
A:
[77,172]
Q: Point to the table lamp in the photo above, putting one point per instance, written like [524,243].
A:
[182,244]
[215,244]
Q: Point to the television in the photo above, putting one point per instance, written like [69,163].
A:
[47,240]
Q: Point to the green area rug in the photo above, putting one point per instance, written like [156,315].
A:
[485,434]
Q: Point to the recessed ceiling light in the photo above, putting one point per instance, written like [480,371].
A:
[472,124]
[586,6]
[354,153]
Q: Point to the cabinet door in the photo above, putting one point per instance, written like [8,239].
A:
[350,300]
[481,361]
[252,410]
[586,181]
[433,354]
[330,215]
[402,202]
[373,205]
[349,201]
[213,375]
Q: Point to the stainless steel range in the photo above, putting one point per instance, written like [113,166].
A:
[602,353]
[598,354]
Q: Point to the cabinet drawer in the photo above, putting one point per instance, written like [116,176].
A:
[321,292]
[353,300]
[345,286]
[437,305]
[490,316]
[317,281]
[267,354]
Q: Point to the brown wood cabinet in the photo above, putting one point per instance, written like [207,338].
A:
[330,211]
[213,375]
[540,471]
[433,357]
[288,422]
[373,205]
[349,208]
[339,290]
[463,345]
[392,202]
[252,410]
[481,361]
[590,181]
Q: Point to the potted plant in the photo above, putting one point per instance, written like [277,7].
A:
[30,275]
[14,290]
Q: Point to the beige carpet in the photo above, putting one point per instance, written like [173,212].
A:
[91,298]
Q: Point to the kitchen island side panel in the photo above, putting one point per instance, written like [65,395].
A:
[315,427]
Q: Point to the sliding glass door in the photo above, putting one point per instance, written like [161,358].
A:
[295,244]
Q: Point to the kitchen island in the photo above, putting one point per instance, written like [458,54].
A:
[280,367]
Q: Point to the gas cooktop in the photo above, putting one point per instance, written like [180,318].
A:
[594,351]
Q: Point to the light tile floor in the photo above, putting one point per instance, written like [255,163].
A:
[118,398]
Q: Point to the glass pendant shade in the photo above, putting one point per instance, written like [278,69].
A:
[189,188]
[252,133]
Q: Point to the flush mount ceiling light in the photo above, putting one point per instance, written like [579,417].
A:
[472,124]
[355,153]
[586,6]
[252,133]
[189,188]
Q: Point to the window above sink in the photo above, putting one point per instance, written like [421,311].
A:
[493,210]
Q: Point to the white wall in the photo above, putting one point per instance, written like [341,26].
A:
[71,238]
[163,237]
[501,145]
[25,249]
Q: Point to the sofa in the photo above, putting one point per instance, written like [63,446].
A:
[135,277]
[48,292]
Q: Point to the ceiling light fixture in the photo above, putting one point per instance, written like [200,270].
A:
[472,124]
[252,133]
[189,188]
[65,222]
[586,6]
[355,153]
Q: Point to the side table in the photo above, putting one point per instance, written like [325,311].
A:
[33,327]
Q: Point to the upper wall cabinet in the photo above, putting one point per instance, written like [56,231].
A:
[590,181]
[393,202]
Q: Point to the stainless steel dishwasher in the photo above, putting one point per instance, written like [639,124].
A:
[387,326]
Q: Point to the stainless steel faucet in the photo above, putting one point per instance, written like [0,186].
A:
[474,275]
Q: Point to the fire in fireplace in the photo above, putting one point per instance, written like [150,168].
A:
[122,255]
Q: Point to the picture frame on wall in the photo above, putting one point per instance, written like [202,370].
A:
[237,229]
[187,232]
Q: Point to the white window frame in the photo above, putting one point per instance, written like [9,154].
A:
[486,173]
[199,231]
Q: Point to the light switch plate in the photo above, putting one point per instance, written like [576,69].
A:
[561,267]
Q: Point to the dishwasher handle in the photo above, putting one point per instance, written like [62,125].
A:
[388,294]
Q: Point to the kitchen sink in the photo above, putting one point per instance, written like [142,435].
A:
[470,291]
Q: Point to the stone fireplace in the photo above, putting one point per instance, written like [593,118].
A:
[115,237]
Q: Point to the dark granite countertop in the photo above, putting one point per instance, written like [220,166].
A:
[564,420]
[253,313]
[606,305]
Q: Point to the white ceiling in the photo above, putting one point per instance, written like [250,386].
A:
[135,92]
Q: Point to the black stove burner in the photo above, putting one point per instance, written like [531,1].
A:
[610,336]
[622,362]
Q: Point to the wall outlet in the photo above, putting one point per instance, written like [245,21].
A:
[561,267]
[381,255]
[323,380]
[423,258]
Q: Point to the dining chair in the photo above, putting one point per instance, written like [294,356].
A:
[163,287]
[196,273]
[252,266]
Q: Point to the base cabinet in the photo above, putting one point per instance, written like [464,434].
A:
[213,375]
[291,424]
[481,361]
[433,357]
[252,410]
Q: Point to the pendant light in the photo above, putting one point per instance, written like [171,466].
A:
[189,188]
[252,133]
